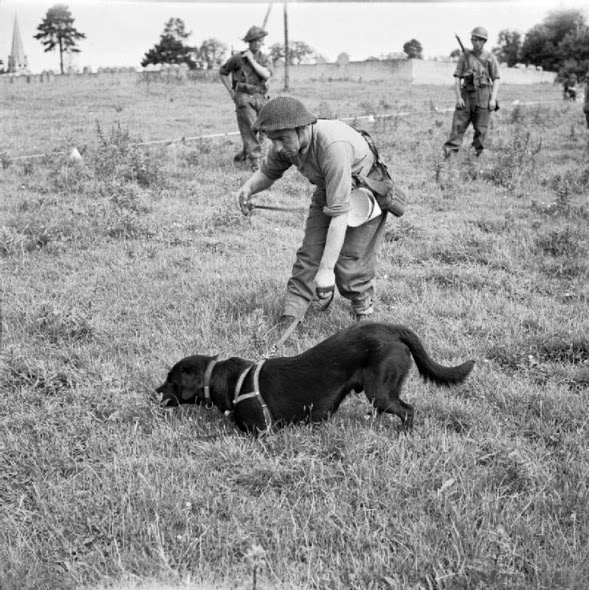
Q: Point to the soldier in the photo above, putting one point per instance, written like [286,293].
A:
[586,102]
[476,84]
[569,88]
[245,75]
[328,153]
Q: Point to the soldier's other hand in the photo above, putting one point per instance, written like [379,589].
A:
[492,105]
[324,283]
[244,197]
[248,54]
[460,104]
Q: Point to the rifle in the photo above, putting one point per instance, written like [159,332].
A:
[460,43]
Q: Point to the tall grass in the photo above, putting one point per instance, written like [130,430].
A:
[117,266]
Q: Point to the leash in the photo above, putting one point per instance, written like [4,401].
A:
[285,336]
[326,296]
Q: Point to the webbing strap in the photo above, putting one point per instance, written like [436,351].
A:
[255,393]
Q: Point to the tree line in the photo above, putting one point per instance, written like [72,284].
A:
[560,43]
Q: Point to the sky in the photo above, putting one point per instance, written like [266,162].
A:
[119,32]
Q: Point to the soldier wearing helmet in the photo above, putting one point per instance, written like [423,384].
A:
[245,75]
[476,87]
[329,153]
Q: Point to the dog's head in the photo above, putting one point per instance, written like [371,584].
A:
[185,381]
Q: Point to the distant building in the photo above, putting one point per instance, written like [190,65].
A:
[17,60]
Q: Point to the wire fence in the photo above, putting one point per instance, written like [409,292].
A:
[186,139]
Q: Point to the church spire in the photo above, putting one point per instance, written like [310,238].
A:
[17,60]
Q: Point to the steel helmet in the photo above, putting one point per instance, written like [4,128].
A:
[480,32]
[254,33]
[283,112]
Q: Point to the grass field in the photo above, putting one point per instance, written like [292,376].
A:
[115,267]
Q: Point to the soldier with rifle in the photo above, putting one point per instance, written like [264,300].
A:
[476,84]
[245,75]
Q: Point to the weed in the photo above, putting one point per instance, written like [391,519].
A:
[57,324]
[568,184]
[515,161]
[568,242]
[117,157]
[517,116]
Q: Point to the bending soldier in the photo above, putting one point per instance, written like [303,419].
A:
[245,75]
[330,154]
[476,84]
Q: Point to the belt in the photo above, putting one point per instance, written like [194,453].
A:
[250,88]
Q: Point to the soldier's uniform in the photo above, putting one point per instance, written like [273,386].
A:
[335,152]
[477,72]
[250,96]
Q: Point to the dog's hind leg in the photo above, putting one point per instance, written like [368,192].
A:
[384,396]
[397,407]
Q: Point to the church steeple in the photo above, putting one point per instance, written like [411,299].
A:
[17,60]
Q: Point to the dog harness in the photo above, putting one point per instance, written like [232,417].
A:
[240,397]
[207,379]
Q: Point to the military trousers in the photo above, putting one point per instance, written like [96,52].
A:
[471,113]
[247,107]
[355,269]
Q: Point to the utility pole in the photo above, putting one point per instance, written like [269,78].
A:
[286,51]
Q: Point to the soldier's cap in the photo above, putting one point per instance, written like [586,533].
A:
[254,33]
[283,112]
[480,32]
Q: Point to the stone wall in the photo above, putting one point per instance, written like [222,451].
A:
[414,71]
[357,71]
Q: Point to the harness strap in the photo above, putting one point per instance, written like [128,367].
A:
[255,393]
[207,379]
[238,385]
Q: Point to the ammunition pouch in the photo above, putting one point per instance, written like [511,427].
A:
[379,181]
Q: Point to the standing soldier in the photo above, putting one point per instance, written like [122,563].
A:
[569,87]
[476,84]
[245,75]
[586,102]
[331,154]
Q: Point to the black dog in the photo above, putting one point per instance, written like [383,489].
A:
[369,357]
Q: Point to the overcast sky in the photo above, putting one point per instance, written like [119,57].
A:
[119,32]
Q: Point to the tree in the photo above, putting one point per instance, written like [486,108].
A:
[212,53]
[509,45]
[57,30]
[413,49]
[172,48]
[555,42]
[298,52]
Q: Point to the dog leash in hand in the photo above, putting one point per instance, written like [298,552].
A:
[285,336]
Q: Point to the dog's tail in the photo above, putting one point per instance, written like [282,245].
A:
[427,367]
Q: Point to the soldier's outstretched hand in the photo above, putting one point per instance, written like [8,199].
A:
[244,196]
